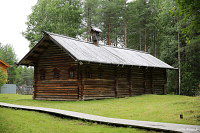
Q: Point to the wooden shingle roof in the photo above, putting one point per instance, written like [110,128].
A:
[82,51]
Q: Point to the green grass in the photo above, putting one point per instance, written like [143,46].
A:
[18,121]
[159,108]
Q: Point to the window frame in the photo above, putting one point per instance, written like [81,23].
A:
[100,72]
[72,73]
[42,74]
[88,72]
[56,73]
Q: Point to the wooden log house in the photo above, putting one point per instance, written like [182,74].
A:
[4,66]
[70,69]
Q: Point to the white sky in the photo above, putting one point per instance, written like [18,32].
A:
[13,15]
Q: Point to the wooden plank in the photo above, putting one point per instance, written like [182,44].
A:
[157,126]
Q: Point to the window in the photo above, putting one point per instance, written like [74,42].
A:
[56,74]
[71,73]
[100,72]
[42,74]
[88,72]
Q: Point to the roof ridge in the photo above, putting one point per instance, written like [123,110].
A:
[64,36]
[93,44]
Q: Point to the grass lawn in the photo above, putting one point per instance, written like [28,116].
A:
[18,121]
[159,108]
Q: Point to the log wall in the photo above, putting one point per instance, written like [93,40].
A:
[159,81]
[55,87]
[53,79]
[99,82]
[121,81]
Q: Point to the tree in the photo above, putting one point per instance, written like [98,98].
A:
[25,76]
[169,30]
[16,75]
[112,20]
[176,51]
[58,16]
[8,55]
[143,27]
[190,10]
[90,16]
[3,77]
[190,84]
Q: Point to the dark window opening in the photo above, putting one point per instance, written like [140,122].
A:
[56,74]
[42,74]
[121,73]
[100,72]
[88,72]
[72,73]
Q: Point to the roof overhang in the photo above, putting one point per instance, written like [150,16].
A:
[32,56]
[85,52]
[6,64]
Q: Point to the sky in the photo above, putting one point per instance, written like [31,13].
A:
[13,15]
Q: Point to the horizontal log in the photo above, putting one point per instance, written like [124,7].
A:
[57,99]
[56,94]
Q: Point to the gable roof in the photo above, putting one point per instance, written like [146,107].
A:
[87,52]
[6,64]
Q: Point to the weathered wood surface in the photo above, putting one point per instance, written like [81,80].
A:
[117,81]
[91,80]
[4,66]
[55,87]
[159,126]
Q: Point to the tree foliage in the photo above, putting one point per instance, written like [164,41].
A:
[90,17]
[58,16]
[143,28]
[8,55]
[169,30]
[190,10]
[16,75]
[25,76]
[3,77]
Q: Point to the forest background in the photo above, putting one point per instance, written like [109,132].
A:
[167,29]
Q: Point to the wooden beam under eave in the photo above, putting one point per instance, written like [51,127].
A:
[43,46]
[151,80]
[30,58]
[165,85]
[116,81]
[130,81]
[144,76]
[37,52]
[81,82]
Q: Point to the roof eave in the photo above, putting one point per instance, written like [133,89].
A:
[170,68]
[6,64]
[46,34]
[30,52]
[58,44]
